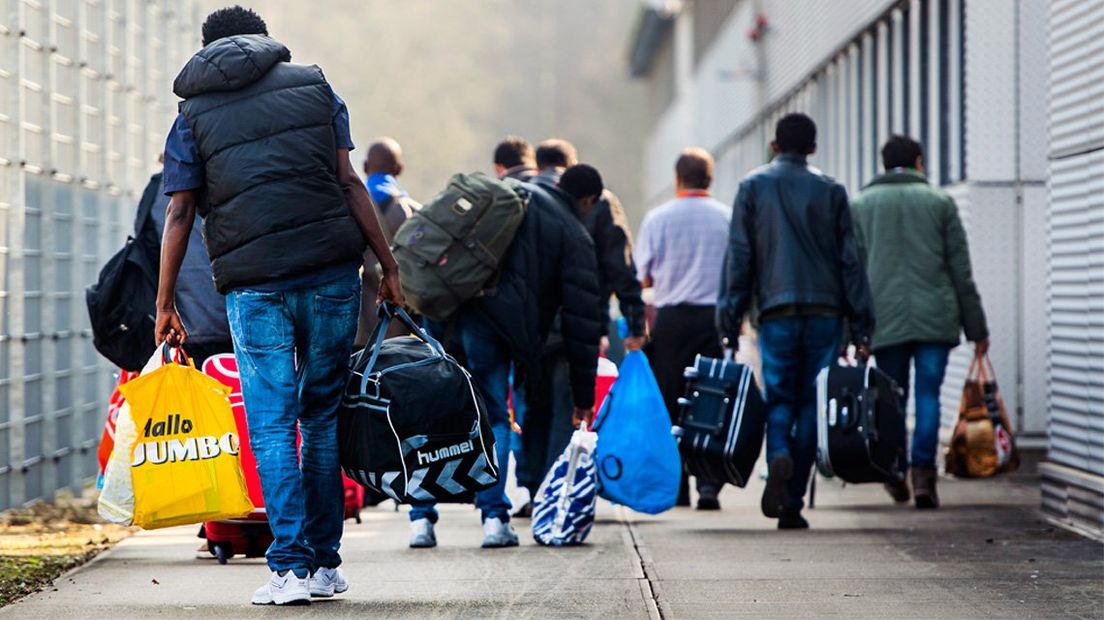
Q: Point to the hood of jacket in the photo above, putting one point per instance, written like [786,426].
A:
[229,64]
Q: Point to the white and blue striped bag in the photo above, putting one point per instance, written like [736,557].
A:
[563,510]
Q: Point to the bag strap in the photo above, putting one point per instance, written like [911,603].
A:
[387,312]
[174,354]
[149,197]
[985,366]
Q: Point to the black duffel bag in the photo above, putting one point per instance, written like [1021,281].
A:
[412,424]
[721,420]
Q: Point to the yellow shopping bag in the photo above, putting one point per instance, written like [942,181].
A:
[184,463]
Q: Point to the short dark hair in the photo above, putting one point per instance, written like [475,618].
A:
[556,153]
[581,181]
[231,21]
[694,168]
[513,151]
[795,133]
[901,152]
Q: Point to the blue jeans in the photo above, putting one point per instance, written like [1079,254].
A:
[930,360]
[293,351]
[793,350]
[488,361]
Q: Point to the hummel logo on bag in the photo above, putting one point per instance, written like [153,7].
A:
[425,458]
[411,424]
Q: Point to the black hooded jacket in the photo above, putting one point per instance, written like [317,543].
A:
[609,230]
[549,268]
[272,204]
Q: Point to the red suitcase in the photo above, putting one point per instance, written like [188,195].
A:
[250,536]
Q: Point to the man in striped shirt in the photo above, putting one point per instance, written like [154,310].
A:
[680,253]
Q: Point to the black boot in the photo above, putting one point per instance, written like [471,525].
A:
[684,491]
[923,487]
[781,469]
[898,489]
[791,519]
[707,498]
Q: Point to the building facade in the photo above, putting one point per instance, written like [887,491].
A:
[1007,99]
[85,104]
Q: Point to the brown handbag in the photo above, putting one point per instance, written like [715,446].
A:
[982,444]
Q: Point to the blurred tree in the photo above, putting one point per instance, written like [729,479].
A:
[449,79]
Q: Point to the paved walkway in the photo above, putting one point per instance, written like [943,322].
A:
[985,554]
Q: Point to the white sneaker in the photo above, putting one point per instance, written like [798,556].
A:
[326,582]
[421,534]
[286,589]
[498,534]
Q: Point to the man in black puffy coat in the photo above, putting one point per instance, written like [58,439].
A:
[549,271]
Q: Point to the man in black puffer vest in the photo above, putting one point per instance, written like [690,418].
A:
[261,151]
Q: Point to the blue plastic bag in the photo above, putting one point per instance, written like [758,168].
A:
[638,458]
[563,509]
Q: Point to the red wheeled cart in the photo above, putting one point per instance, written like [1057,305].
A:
[251,535]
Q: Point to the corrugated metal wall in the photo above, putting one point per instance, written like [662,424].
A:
[963,77]
[1073,477]
[85,102]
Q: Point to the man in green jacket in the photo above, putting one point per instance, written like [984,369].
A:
[918,263]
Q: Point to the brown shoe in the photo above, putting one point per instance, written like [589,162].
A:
[923,488]
[898,489]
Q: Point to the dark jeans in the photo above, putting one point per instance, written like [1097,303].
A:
[200,352]
[547,427]
[292,349]
[930,360]
[794,349]
[487,358]
[681,333]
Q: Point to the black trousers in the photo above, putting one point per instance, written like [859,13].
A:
[547,427]
[680,334]
[201,351]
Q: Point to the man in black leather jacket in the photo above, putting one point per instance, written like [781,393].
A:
[792,248]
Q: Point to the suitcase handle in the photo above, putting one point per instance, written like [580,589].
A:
[854,416]
[714,423]
[387,312]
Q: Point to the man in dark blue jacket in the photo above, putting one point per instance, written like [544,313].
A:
[285,220]
[549,272]
[792,248]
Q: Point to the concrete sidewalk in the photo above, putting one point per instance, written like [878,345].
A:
[985,554]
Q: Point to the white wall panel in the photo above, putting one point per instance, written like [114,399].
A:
[1076,85]
[1031,95]
[988,214]
[1073,477]
[1076,308]
[803,34]
[1033,300]
[991,90]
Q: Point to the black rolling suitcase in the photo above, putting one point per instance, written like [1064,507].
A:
[721,420]
[859,424]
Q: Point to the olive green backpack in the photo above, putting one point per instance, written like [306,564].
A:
[450,250]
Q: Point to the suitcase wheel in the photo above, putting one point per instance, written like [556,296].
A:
[357,517]
[222,552]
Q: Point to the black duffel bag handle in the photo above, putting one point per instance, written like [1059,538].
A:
[387,312]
